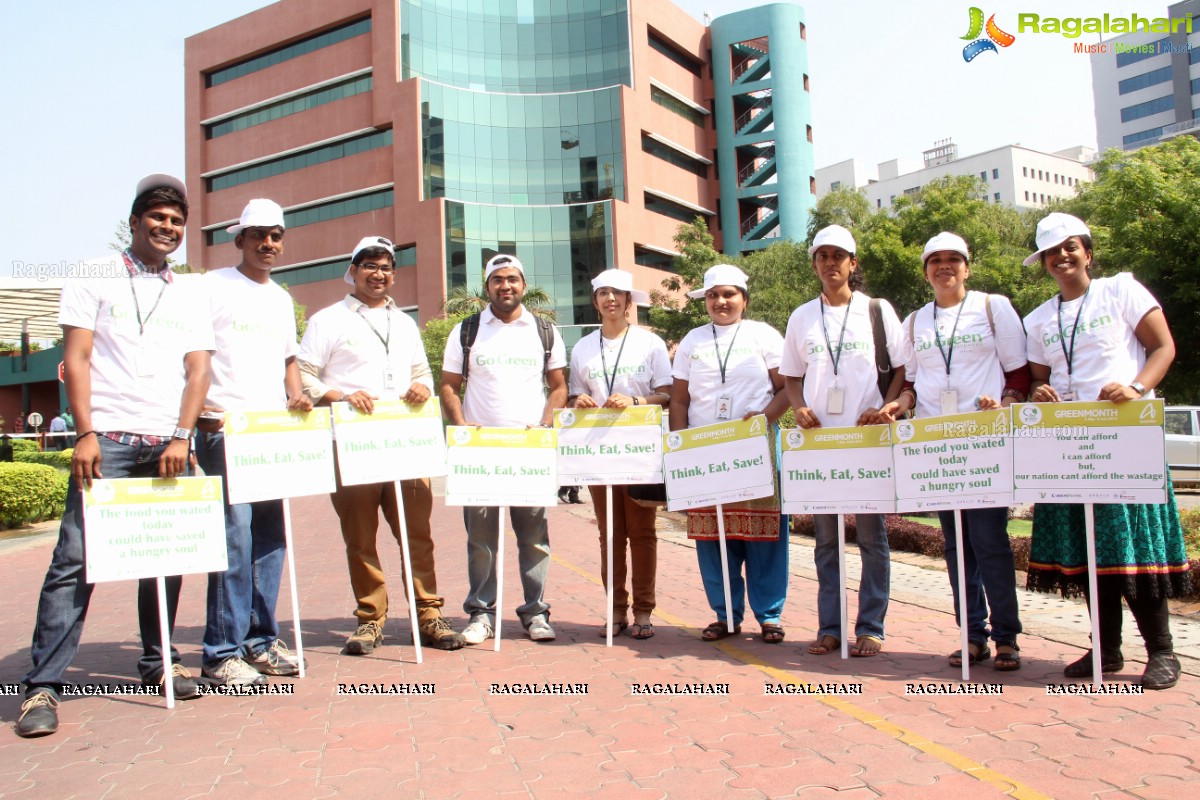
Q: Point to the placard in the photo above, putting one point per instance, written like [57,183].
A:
[609,446]
[501,466]
[838,471]
[1097,452]
[394,443]
[150,527]
[725,462]
[953,461]
[274,454]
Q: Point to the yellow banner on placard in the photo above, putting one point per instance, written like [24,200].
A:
[534,438]
[1101,414]
[152,490]
[282,421]
[717,433]
[796,439]
[607,417]
[997,422]
[346,414]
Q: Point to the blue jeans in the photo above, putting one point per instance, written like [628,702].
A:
[874,583]
[241,600]
[533,557]
[766,579]
[991,574]
[65,592]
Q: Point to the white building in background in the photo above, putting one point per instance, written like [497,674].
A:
[1014,175]
[1145,84]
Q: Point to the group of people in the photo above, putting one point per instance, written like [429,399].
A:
[152,365]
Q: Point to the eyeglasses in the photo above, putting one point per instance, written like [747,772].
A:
[386,269]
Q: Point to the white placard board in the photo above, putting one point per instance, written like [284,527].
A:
[395,442]
[726,462]
[607,446]
[275,454]
[838,471]
[953,461]
[501,466]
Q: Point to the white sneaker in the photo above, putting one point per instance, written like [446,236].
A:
[477,632]
[233,671]
[276,660]
[539,629]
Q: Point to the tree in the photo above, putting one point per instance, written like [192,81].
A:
[670,316]
[433,339]
[1144,210]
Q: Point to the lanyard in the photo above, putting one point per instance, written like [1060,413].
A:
[386,342]
[1069,355]
[835,357]
[937,335]
[137,307]
[608,382]
[728,353]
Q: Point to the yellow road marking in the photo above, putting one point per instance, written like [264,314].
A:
[914,740]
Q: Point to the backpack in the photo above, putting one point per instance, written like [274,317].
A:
[883,361]
[469,330]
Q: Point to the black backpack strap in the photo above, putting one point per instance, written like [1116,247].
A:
[883,361]
[546,334]
[467,332]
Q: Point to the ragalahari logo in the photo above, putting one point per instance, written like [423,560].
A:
[995,36]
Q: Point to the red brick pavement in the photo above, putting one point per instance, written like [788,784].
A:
[465,742]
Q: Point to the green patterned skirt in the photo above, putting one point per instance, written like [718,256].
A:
[1141,543]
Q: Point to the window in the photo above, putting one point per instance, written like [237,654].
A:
[300,160]
[1145,51]
[646,257]
[1145,79]
[803,31]
[1141,136]
[1056,177]
[671,103]
[879,203]
[835,185]
[1024,172]
[1027,197]
[1196,86]
[320,212]
[812,184]
[1040,175]
[673,156]
[806,82]
[288,51]
[1146,109]
[293,105]
[661,44]
[660,205]
[1179,423]
[808,130]
[995,174]
[997,197]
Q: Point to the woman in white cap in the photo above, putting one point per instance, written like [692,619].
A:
[829,362]
[729,370]
[966,352]
[1104,339]
[617,367]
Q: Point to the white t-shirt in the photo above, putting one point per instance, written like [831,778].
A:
[345,345]
[636,363]
[255,328]
[978,359]
[1106,348]
[751,347]
[124,397]
[504,382]
[806,355]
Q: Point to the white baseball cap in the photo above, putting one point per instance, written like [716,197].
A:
[834,235]
[158,179]
[363,244]
[720,275]
[500,261]
[258,213]
[946,241]
[1053,230]
[622,281]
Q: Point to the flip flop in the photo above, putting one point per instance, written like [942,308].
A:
[772,633]
[824,645]
[976,653]
[718,630]
[1008,657]
[866,646]
[641,630]
[618,628]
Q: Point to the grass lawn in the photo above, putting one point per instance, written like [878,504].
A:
[1016,527]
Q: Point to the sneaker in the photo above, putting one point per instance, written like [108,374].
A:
[366,637]
[539,629]
[182,682]
[438,633]
[39,715]
[1162,671]
[233,671]
[276,660]
[477,632]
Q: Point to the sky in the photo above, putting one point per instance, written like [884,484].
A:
[93,99]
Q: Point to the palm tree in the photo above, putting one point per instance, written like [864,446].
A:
[463,301]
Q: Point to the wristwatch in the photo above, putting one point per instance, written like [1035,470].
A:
[637,400]
[182,433]
[1139,387]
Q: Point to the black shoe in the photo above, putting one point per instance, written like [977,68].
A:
[573,495]
[562,496]
[1162,671]
[1109,662]
[39,715]
[182,682]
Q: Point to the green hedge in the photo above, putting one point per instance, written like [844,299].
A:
[24,446]
[51,458]
[30,493]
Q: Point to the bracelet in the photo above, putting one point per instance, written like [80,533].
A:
[79,436]
[1015,394]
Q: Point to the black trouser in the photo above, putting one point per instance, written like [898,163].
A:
[1152,615]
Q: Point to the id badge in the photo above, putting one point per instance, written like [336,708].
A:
[724,406]
[949,401]
[1068,396]
[145,360]
[389,379]
[835,400]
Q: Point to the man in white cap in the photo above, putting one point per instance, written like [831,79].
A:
[359,350]
[505,362]
[254,368]
[136,349]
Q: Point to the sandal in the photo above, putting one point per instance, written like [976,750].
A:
[824,645]
[718,630]
[641,630]
[772,633]
[977,652]
[1008,657]
[619,627]
[866,646]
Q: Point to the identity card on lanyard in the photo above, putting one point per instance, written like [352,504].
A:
[724,401]
[147,358]
[389,374]
[1069,355]
[949,395]
[835,397]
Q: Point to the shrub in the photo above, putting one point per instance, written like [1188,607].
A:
[24,446]
[60,459]
[1189,519]
[30,493]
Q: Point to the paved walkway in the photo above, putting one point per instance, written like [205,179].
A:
[466,741]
